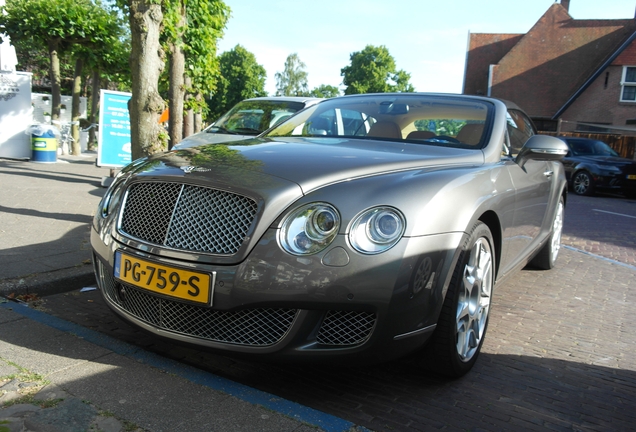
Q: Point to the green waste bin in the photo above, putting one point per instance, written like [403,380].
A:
[43,144]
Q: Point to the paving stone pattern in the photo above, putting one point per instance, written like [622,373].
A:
[602,225]
[558,356]
[45,214]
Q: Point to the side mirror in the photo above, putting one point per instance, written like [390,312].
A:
[542,147]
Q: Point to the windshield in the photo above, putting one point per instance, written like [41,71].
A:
[451,121]
[590,148]
[255,116]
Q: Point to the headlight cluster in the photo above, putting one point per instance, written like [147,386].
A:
[609,168]
[309,229]
[376,230]
[312,227]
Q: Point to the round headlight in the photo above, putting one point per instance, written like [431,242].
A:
[309,229]
[376,230]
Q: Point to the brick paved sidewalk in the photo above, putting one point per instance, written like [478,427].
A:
[602,225]
[558,356]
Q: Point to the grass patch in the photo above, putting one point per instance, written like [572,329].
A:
[36,382]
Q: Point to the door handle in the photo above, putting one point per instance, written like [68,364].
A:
[548,173]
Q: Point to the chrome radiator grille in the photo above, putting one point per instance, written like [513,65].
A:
[187,217]
[251,327]
[345,328]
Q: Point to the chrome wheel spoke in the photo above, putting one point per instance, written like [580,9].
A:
[581,183]
[474,299]
[557,230]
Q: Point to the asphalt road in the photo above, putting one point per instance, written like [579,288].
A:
[558,354]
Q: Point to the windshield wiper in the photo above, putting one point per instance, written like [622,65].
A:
[248,131]
[217,129]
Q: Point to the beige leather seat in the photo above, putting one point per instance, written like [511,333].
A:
[422,135]
[385,129]
[471,133]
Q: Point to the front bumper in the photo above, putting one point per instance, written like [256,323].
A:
[612,182]
[336,304]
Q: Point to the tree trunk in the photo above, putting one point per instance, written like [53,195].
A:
[188,118]
[198,118]
[188,123]
[177,85]
[56,93]
[75,108]
[94,107]
[146,63]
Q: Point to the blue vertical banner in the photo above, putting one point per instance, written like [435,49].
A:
[114,149]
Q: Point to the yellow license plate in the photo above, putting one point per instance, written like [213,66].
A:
[174,282]
[631,177]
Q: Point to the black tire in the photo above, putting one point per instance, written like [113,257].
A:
[630,194]
[583,183]
[547,256]
[461,328]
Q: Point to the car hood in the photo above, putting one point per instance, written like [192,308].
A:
[309,163]
[275,174]
[205,137]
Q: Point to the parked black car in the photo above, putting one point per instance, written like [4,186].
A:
[592,165]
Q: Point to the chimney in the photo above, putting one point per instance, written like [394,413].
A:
[566,4]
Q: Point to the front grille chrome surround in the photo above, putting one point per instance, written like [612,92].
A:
[247,327]
[187,217]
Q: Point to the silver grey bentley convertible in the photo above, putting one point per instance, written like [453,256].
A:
[361,229]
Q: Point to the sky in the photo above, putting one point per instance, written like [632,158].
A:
[427,39]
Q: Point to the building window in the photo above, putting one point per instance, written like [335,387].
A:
[628,93]
[544,125]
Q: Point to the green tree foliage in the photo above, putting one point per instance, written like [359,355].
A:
[58,25]
[241,77]
[292,81]
[450,127]
[206,21]
[325,91]
[373,70]
[33,57]
[190,32]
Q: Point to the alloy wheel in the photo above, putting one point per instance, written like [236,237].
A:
[473,304]
[582,183]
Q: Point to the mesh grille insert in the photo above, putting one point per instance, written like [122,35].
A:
[346,328]
[252,327]
[187,217]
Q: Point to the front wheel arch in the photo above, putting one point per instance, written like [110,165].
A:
[463,321]
[491,220]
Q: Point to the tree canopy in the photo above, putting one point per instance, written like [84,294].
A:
[373,70]
[241,77]
[325,91]
[58,25]
[292,81]
[189,34]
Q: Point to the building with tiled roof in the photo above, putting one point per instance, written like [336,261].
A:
[582,72]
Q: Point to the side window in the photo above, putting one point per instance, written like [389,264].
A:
[520,129]
[321,125]
[353,122]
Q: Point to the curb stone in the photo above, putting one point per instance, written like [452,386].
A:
[49,283]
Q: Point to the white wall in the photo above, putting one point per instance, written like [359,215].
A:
[15,114]
[42,104]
